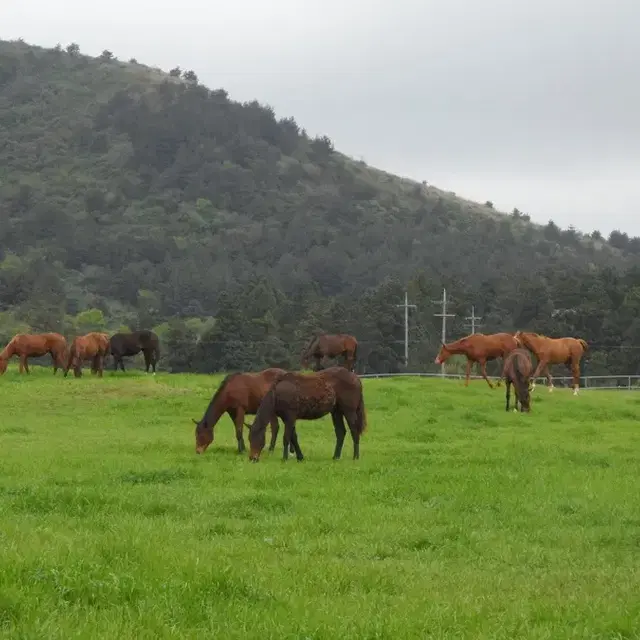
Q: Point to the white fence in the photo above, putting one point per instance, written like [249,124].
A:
[630,383]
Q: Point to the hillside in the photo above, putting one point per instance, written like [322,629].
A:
[146,197]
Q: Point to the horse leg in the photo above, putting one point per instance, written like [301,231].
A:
[549,378]
[100,365]
[294,446]
[147,360]
[289,428]
[508,392]
[26,364]
[466,384]
[536,373]
[54,358]
[352,421]
[341,431]
[575,370]
[237,415]
[483,365]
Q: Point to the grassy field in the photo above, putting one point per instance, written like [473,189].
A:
[458,521]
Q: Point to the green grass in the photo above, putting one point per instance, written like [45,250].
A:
[458,521]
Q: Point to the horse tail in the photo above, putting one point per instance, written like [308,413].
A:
[361,415]
[584,344]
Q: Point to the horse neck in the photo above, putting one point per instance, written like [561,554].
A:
[531,342]
[309,347]
[214,411]
[8,351]
[457,347]
[265,412]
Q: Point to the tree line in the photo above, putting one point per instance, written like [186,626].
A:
[131,198]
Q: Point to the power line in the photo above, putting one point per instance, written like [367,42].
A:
[444,315]
[473,317]
[406,306]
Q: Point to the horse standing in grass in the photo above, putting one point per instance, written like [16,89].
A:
[25,345]
[567,351]
[93,346]
[239,394]
[517,371]
[331,346]
[478,347]
[299,396]
[130,344]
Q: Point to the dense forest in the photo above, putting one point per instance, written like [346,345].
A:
[133,197]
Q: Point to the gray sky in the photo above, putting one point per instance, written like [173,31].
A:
[529,103]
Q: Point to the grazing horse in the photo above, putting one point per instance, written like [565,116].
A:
[299,396]
[93,346]
[567,351]
[239,394]
[517,371]
[478,347]
[130,344]
[331,346]
[26,345]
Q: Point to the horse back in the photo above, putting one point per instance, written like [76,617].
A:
[518,361]
[308,397]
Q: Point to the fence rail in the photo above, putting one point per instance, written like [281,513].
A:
[586,382]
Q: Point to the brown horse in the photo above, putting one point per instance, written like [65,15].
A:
[299,396]
[478,348]
[239,394]
[93,346]
[26,345]
[517,371]
[331,346]
[567,351]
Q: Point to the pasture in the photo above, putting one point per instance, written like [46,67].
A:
[459,520]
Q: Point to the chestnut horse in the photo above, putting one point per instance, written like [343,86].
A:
[517,371]
[93,346]
[478,347]
[26,345]
[299,396]
[238,394]
[331,346]
[567,351]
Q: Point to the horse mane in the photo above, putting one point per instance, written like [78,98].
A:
[223,384]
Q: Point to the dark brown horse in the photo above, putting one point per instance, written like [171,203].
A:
[299,396]
[25,345]
[93,346]
[130,344]
[331,346]
[567,351]
[517,372]
[479,348]
[239,394]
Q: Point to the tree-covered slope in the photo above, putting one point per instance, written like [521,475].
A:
[147,196]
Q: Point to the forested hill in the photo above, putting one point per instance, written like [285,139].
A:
[130,196]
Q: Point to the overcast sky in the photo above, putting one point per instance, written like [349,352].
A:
[532,104]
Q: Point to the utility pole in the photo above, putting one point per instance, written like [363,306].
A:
[473,317]
[406,306]
[444,315]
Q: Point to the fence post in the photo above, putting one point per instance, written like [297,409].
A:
[629,383]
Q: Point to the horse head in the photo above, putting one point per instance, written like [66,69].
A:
[443,354]
[3,365]
[204,435]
